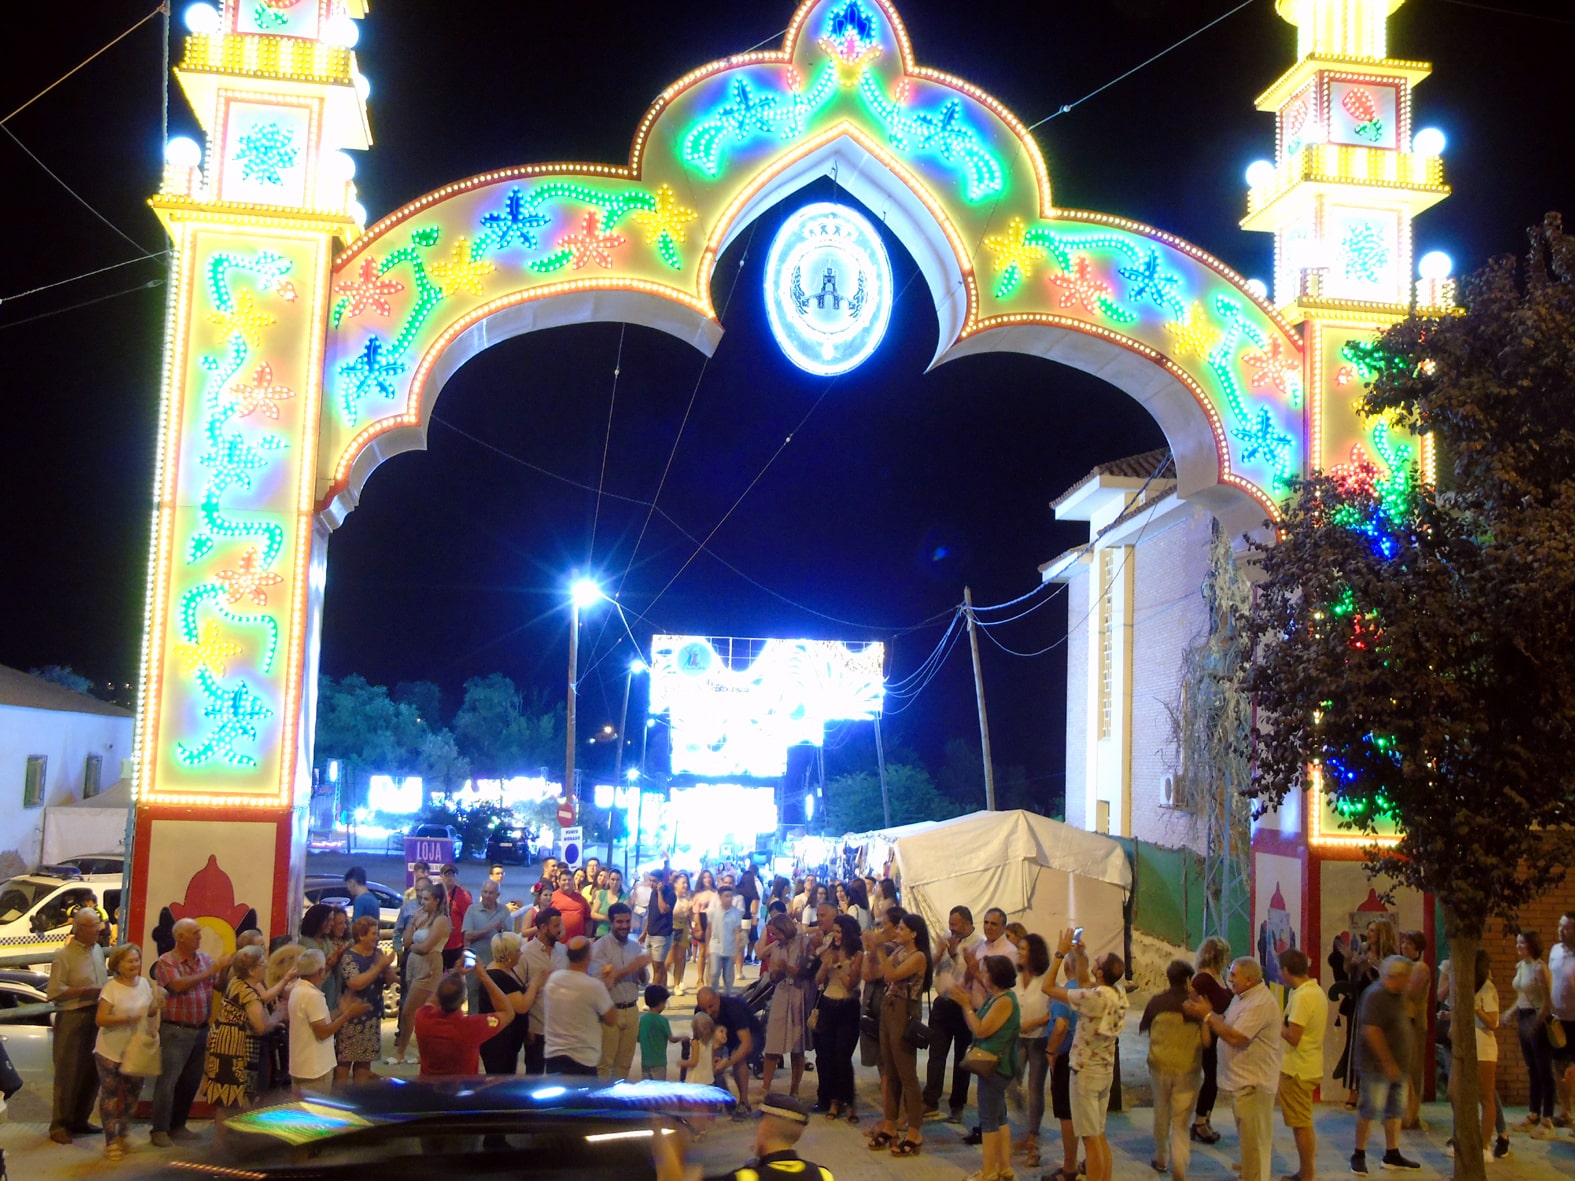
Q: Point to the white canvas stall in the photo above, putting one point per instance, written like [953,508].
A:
[97,825]
[1045,874]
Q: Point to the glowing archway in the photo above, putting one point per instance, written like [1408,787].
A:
[956,177]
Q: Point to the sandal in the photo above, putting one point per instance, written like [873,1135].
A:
[906,1148]
[851,1116]
[1204,1134]
[832,1113]
[879,1140]
[1031,1154]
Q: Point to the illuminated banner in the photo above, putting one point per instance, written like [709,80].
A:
[828,289]
[735,706]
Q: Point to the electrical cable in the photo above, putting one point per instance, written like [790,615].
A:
[601,480]
[1530,16]
[80,199]
[1067,109]
[693,395]
[86,303]
[77,278]
[164,8]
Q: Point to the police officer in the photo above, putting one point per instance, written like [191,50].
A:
[783,1119]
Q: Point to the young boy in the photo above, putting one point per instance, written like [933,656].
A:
[655,1033]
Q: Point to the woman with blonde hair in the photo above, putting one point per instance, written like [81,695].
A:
[500,1054]
[1208,981]
[123,1004]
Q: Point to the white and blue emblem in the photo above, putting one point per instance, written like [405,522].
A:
[828,289]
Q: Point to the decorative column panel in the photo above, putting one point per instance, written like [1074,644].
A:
[1347,181]
[236,572]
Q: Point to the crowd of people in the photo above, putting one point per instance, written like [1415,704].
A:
[575,979]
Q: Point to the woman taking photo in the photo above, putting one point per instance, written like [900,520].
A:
[230,1077]
[1533,1004]
[125,1000]
[425,936]
[994,1028]
[1208,981]
[906,973]
[1033,1008]
[836,1018]
[678,953]
[364,972]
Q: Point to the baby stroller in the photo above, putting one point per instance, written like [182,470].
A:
[758,997]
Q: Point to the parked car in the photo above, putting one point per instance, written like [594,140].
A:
[499,1126]
[36,910]
[330,889]
[439,832]
[92,864]
[28,1040]
[510,844]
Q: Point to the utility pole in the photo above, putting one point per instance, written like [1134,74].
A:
[984,718]
[880,761]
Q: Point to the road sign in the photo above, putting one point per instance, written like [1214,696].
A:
[565,812]
[571,847]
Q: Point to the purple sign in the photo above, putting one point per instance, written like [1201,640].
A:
[435,851]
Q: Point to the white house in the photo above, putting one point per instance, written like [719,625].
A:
[57,747]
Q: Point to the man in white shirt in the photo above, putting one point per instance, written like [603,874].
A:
[1101,1012]
[948,1029]
[312,1057]
[1301,1069]
[622,965]
[1249,1060]
[578,1007]
[543,955]
[1561,967]
[725,943]
[996,941]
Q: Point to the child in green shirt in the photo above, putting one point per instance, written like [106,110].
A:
[655,1033]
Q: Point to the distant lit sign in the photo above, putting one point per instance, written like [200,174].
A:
[828,289]
[735,706]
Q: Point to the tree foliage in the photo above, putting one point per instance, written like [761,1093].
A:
[1415,644]
[853,801]
[505,732]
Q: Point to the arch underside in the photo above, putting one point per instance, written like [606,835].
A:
[516,251]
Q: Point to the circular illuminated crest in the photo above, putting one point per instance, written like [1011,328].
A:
[828,289]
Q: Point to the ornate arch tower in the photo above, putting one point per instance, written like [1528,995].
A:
[1349,177]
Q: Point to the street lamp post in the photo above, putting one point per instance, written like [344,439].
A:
[582,594]
[635,666]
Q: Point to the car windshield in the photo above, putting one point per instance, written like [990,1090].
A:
[20,895]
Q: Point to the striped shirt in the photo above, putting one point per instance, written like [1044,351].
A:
[194,1006]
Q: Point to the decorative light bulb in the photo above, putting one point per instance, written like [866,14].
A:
[1258,288]
[203,19]
[183,152]
[1435,265]
[341,31]
[339,167]
[357,213]
[1429,141]
[363,86]
[1259,172]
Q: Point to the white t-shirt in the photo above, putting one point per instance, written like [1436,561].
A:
[123,1002]
[1561,967]
[575,1004]
[1033,1005]
[310,1056]
[1487,1040]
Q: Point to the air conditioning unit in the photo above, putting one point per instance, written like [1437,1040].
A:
[1167,791]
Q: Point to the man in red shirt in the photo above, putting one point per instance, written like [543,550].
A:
[450,1039]
[459,901]
[568,902]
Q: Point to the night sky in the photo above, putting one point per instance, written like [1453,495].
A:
[899,486]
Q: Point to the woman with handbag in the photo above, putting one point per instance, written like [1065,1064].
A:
[906,973]
[993,1057]
[127,1048]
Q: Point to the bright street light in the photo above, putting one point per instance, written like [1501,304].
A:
[583,592]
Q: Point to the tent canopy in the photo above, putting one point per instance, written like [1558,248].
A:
[96,825]
[1041,872]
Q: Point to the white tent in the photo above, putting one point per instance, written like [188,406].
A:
[96,825]
[1047,875]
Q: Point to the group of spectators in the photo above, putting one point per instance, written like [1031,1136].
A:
[555,983]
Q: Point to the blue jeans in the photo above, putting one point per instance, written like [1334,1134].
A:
[720,966]
[992,1102]
[181,1051]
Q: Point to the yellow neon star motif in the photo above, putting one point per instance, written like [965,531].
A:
[1194,335]
[460,272]
[669,217]
[1009,250]
[209,651]
[245,319]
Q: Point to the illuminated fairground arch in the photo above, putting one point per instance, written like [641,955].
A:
[954,175]
[291,370]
